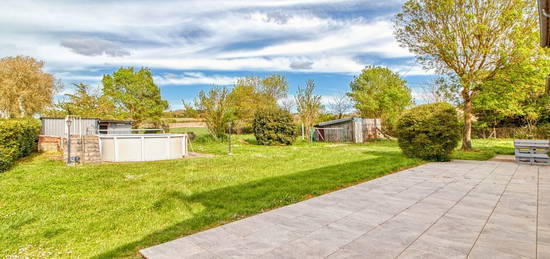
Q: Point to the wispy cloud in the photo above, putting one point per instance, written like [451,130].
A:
[193,78]
[193,35]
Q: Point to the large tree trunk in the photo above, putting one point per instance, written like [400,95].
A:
[467,138]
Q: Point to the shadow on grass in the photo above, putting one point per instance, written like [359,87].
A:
[234,202]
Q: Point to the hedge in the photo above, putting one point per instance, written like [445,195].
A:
[429,131]
[274,127]
[18,138]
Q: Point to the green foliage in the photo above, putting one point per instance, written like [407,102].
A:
[25,89]
[515,95]
[215,108]
[85,103]
[274,126]
[429,131]
[380,93]
[134,93]
[326,117]
[457,37]
[544,130]
[252,94]
[18,138]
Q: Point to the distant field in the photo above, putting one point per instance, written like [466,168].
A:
[197,131]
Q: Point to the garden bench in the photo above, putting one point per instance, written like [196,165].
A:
[532,152]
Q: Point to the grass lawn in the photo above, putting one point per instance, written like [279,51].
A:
[112,210]
[486,149]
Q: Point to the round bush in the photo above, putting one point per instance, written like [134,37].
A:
[429,131]
[273,127]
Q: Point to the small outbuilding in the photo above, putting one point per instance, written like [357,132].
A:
[354,129]
[57,127]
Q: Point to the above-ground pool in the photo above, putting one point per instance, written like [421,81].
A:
[142,147]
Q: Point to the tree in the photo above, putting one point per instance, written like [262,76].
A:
[189,110]
[443,89]
[274,86]
[84,103]
[25,89]
[380,93]
[135,94]
[472,39]
[215,108]
[340,105]
[308,104]
[247,98]
[513,94]
[287,104]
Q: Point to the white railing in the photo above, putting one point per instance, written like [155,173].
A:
[127,131]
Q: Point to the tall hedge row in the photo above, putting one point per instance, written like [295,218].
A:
[18,138]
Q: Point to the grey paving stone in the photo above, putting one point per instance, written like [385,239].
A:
[440,247]
[173,249]
[413,253]
[543,251]
[369,248]
[437,210]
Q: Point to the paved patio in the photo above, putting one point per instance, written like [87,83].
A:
[461,209]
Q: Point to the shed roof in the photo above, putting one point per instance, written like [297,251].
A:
[115,121]
[332,122]
[544,16]
[100,120]
[62,118]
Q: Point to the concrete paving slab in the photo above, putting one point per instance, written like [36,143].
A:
[458,209]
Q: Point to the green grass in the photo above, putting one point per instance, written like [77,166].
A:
[197,131]
[485,149]
[113,210]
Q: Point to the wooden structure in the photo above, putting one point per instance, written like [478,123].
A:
[356,130]
[532,152]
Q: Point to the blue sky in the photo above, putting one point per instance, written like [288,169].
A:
[193,45]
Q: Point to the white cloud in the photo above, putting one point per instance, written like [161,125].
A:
[195,35]
[193,78]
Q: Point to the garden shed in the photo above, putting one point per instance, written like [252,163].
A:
[354,129]
[57,127]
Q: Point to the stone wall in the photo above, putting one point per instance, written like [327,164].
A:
[85,147]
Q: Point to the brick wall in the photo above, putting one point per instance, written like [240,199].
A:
[49,143]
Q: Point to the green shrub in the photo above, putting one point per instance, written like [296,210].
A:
[273,127]
[18,138]
[429,131]
[543,130]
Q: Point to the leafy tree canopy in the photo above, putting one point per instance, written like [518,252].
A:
[25,88]
[215,108]
[472,39]
[135,94]
[380,93]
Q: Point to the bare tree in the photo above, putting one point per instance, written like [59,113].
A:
[287,104]
[308,104]
[340,105]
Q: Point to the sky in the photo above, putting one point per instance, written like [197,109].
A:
[193,45]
